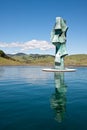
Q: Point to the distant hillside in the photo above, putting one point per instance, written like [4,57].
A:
[76,60]
[2,54]
[34,59]
[7,60]
[38,59]
[24,59]
[17,54]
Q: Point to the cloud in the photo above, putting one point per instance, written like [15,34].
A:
[33,44]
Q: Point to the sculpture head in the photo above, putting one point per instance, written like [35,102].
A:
[60,24]
[58,34]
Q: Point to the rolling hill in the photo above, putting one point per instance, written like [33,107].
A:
[37,59]
[34,59]
[76,60]
[7,60]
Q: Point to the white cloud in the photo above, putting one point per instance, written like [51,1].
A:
[33,44]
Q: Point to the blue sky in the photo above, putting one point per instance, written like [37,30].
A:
[25,25]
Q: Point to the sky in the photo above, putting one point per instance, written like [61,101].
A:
[25,25]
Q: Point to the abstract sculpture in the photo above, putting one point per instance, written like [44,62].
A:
[58,38]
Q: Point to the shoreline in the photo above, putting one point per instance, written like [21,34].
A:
[42,65]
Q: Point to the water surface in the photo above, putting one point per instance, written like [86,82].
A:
[31,99]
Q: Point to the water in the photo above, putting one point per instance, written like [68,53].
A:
[31,99]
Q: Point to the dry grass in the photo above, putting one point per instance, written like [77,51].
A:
[72,60]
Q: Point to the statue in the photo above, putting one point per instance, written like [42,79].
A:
[58,38]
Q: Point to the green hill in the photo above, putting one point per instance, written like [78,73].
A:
[37,59]
[2,54]
[76,60]
[6,60]
[34,59]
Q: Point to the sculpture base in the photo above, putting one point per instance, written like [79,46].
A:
[56,70]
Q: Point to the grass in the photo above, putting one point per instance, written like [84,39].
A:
[4,61]
[72,60]
[40,60]
[76,60]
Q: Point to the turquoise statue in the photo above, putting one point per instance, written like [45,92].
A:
[58,38]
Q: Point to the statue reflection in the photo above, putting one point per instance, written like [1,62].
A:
[58,100]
